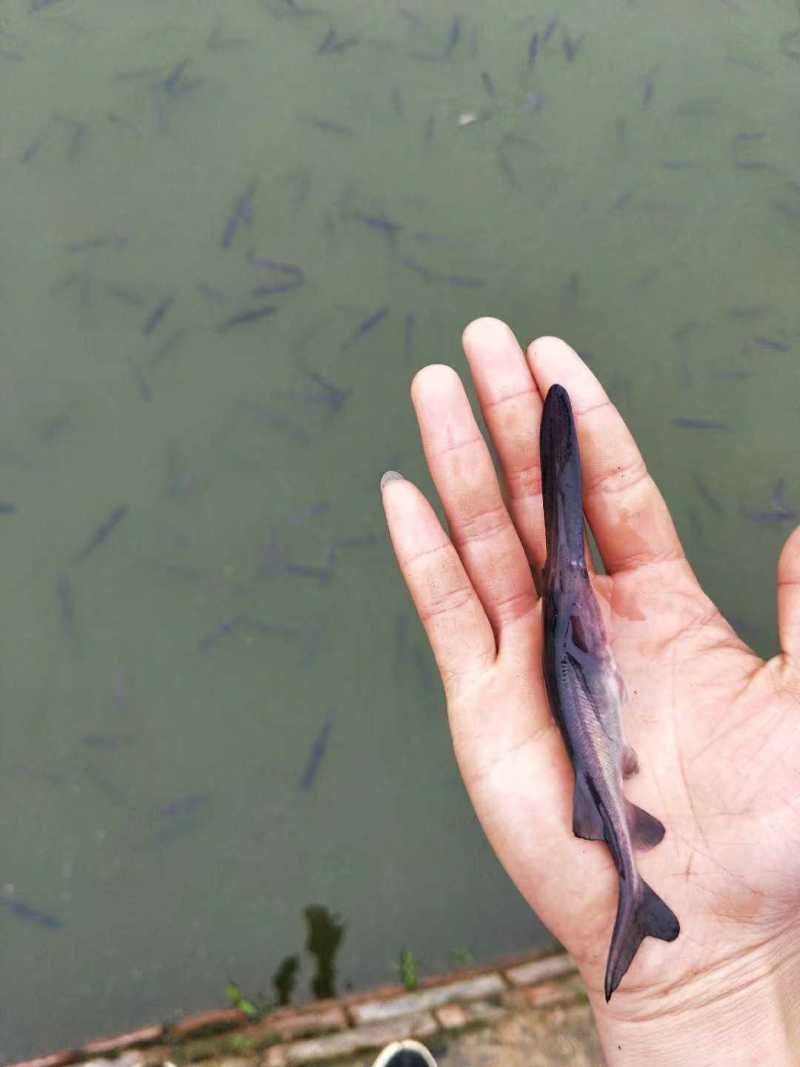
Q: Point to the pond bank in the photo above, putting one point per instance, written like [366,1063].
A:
[530,1010]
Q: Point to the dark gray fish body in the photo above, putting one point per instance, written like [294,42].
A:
[585,692]
[315,756]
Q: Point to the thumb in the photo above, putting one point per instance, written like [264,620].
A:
[789,599]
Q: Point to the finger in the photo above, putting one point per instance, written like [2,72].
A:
[512,409]
[628,516]
[456,624]
[465,478]
[789,599]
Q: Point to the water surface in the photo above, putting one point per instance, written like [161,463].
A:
[228,240]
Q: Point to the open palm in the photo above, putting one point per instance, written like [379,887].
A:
[717,730]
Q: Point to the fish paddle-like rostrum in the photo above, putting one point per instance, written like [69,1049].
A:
[585,691]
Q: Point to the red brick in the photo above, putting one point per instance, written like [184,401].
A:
[55,1059]
[316,1020]
[550,993]
[217,1019]
[540,970]
[147,1035]
[451,1016]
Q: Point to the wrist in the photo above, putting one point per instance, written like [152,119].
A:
[743,1013]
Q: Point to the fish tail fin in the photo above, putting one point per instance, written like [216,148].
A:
[643,915]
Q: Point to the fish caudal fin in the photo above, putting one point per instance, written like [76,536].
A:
[645,915]
[645,829]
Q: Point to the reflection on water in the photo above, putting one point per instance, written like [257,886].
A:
[229,239]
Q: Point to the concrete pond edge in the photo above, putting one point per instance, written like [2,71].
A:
[334,1029]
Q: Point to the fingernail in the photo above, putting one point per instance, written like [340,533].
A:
[391,476]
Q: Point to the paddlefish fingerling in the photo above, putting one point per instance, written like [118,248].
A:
[585,691]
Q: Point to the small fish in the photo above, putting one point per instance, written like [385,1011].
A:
[242,215]
[327,393]
[217,42]
[334,43]
[65,595]
[183,806]
[779,511]
[418,268]
[78,137]
[20,910]
[770,344]
[112,241]
[313,511]
[447,49]
[321,574]
[366,325]
[121,691]
[464,281]
[453,37]
[698,424]
[380,223]
[570,290]
[409,331]
[222,629]
[789,44]
[103,532]
[647,91]
[550,28]
[292,277]
[685,330]
[739,141]
[331,126]
[315,756]
[533,49]
[710,499]
[177,819]
[106,742]
[157,314]
[275,419]
[243,318]
[585,691]
[174,85]
[488,84]
[103,785]
[571,45]
[747,311]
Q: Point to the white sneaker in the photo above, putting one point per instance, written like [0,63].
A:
[405,1054]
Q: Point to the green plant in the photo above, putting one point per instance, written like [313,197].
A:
[409,970]
[242,1045]
[234,997]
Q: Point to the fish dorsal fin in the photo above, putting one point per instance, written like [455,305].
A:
[646,831]
[587,821]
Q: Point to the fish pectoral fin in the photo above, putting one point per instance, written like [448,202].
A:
[630,762]
[645,829]
[587,822]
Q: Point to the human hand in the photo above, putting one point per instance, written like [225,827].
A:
[715,727]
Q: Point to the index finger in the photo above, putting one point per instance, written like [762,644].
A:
[629,517]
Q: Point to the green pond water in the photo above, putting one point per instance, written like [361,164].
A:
[217,709]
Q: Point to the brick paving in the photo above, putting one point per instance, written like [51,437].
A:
[530,1012]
